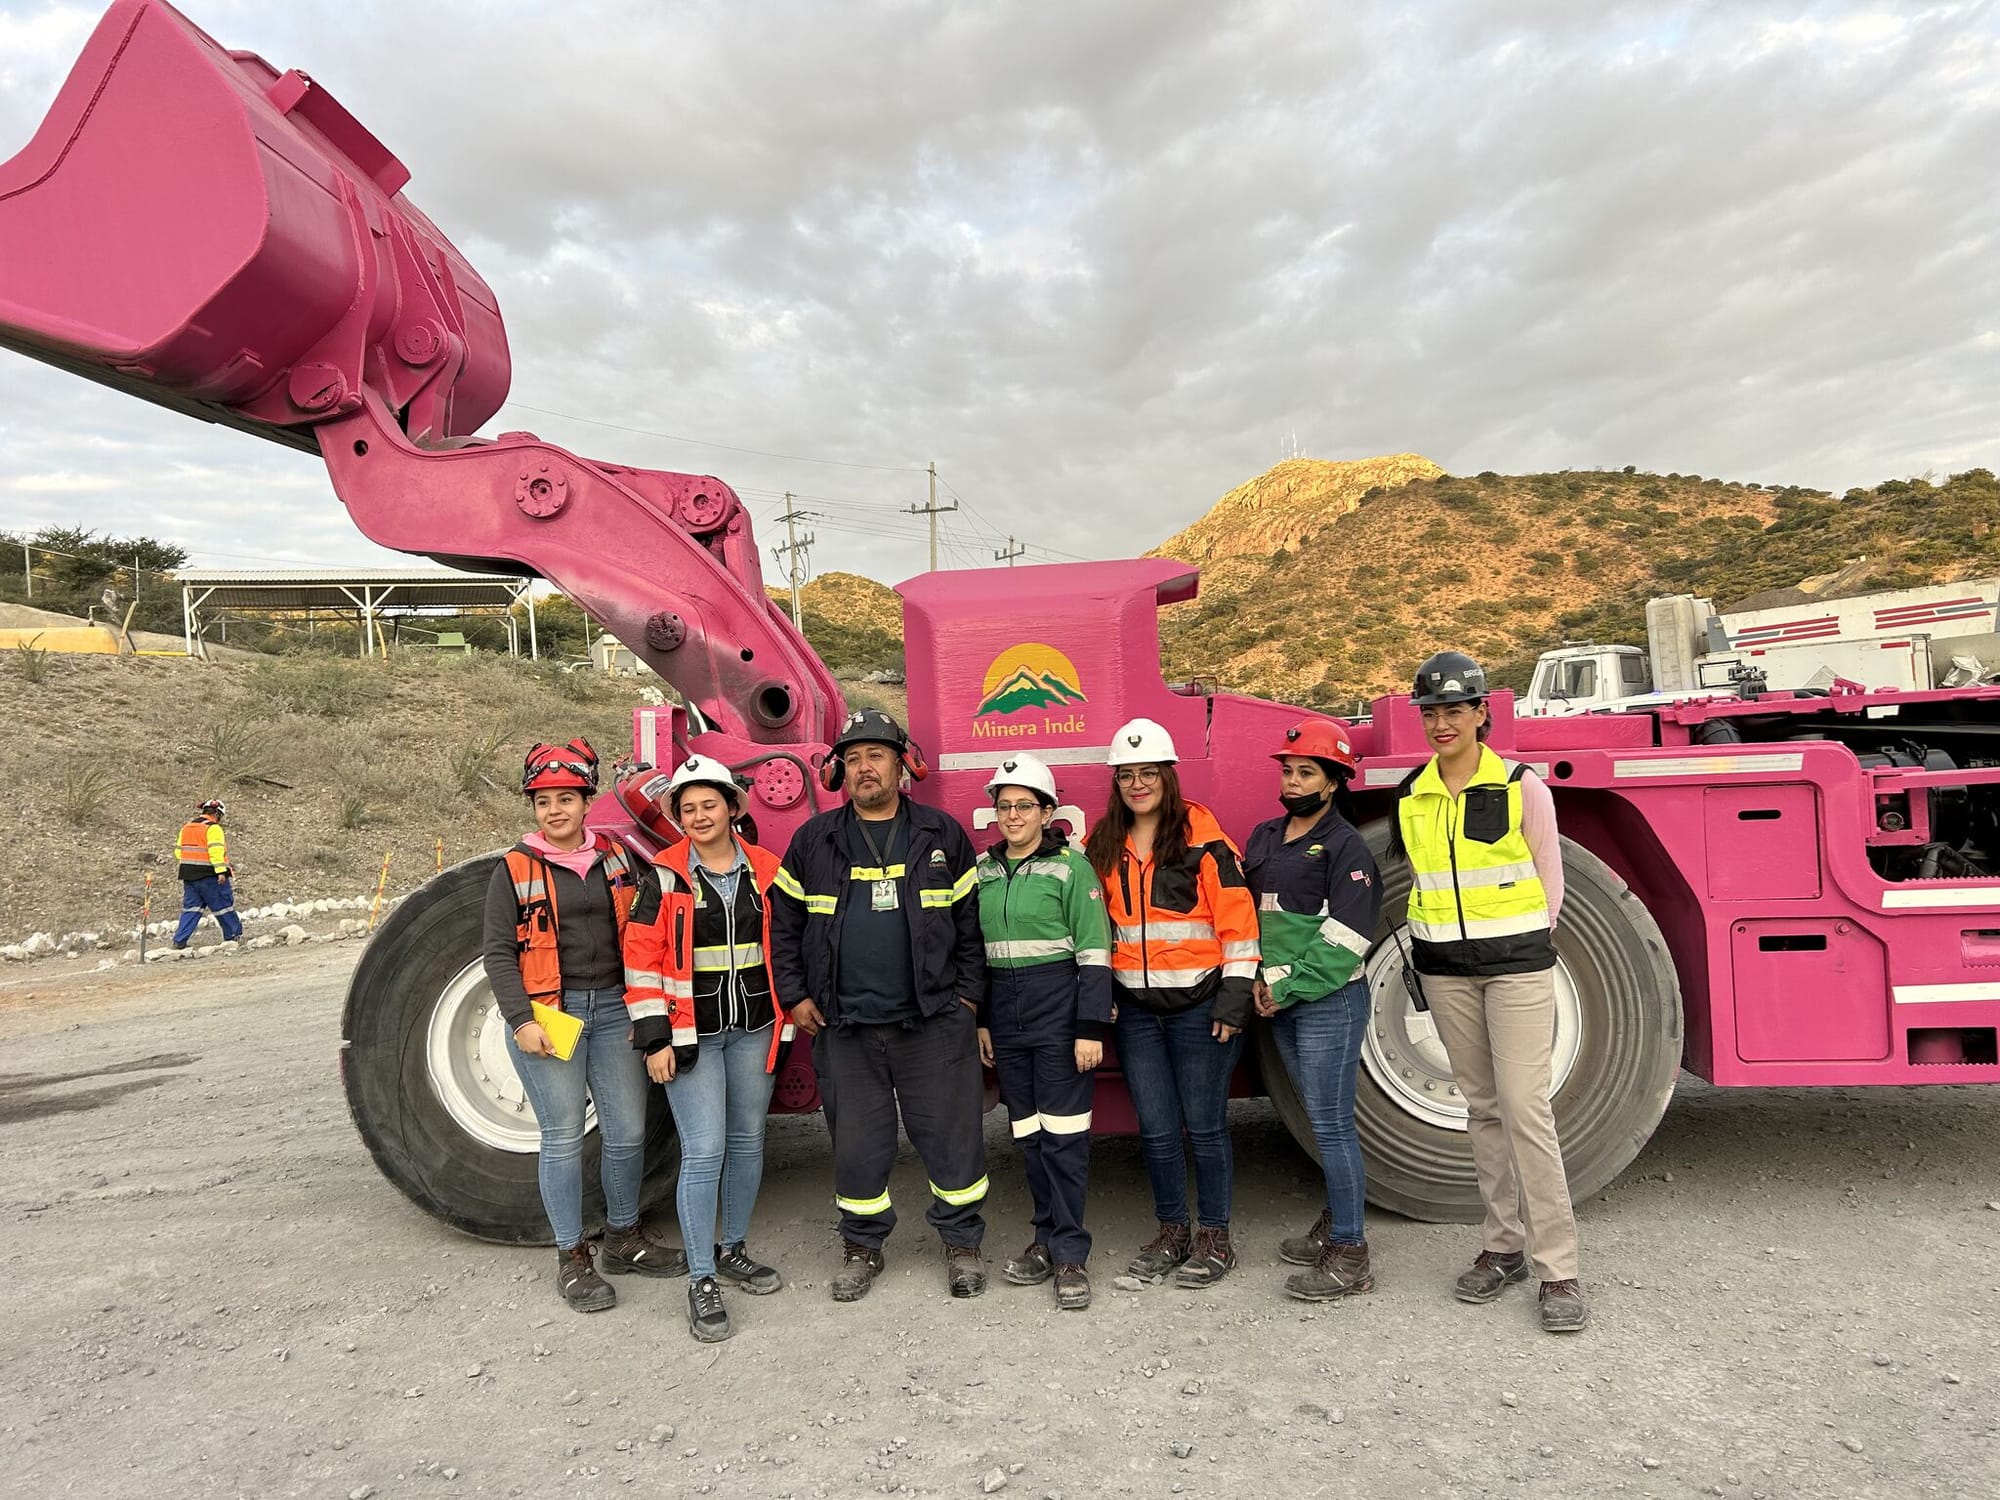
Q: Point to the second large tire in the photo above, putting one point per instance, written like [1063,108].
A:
[1618,1050]
[432,1088]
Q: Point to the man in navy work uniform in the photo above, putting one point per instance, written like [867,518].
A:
[875,939]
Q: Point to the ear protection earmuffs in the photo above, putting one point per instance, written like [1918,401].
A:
[833,770]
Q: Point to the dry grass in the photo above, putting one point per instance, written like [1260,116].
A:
[86,792]
[236,750]
[374,778]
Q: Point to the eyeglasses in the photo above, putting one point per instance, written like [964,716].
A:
[1142,776]
[1016,809]
[1448,710]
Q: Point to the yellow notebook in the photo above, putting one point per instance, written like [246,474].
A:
[563,1029]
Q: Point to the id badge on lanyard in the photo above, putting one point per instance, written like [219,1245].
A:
[882,893]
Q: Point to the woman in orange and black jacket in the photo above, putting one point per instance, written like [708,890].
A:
[556,910]
[1184,961]
[698,988]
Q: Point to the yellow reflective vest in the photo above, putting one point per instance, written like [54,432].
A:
[1476,902]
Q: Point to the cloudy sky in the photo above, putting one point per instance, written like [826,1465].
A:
[1102,262]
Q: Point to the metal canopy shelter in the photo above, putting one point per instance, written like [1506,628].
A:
[365,595]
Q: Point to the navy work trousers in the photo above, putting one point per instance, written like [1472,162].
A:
[929,1070]
[1048,1106]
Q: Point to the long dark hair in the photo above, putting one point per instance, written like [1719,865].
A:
[1106,841]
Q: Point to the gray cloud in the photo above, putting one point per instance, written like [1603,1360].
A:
[1103,262]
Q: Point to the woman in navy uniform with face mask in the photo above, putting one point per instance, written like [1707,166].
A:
[1317,903]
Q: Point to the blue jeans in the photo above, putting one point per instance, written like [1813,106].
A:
[1178,1076]
[209,894]
[720,1106]
[617,1083]
[1320,1041]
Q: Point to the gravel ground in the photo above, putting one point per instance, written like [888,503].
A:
[209,1291]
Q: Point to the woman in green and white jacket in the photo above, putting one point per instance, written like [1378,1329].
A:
[1046,1014]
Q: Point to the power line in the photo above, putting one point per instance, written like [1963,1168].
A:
[675,437]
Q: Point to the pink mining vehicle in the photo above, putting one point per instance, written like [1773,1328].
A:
[1787,889]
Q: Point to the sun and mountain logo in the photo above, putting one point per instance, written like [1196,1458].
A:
[1029,675]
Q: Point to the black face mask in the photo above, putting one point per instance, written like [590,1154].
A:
[1305,806]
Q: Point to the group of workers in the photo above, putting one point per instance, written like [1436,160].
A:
[910,960]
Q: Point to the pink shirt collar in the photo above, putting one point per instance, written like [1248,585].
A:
[577,861]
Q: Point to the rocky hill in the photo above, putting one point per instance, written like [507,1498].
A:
[1282,509]
[854,623]
[1355,594]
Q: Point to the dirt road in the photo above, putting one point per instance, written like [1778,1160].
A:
[208,1290]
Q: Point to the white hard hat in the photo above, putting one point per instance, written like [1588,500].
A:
[1142,742]
[699,770]
[1028,771]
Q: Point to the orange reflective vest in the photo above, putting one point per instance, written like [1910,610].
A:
[661,957]
[201,851]
[536,922]
[1177,931]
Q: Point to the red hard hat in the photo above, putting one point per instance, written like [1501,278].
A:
[1320,739]
[551,767]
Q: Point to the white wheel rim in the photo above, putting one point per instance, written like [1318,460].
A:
[1404,1055]
[472,1071]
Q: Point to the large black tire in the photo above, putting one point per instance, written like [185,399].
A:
[1628,1051]
[429,945]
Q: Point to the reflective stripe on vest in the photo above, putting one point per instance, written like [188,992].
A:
[1464,889]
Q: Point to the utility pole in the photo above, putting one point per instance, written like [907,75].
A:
[792,554]
[1013,551]
[933,510]
[28,568]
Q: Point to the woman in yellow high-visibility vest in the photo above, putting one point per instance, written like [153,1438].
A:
[1486,865]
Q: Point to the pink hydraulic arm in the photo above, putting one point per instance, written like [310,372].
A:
[191,226]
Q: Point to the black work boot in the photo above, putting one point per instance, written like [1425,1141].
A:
[1304,1249]
[1072,1288]
[1340,1271]
[1563,1307]
[735,1264]
[1209,1259]
[1031,1267]
[578,1282]
[708,1319]
[632,1250]
[859,1266]
[1489,1275]
[1161,1253]
[964,1270]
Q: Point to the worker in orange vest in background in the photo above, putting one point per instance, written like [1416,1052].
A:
[204,871]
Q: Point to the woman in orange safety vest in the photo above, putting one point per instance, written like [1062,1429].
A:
[698,987]
[555,913]
[1184,963]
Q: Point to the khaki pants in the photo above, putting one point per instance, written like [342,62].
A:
[1500,1032]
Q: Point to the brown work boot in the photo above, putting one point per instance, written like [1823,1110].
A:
[964,1270]
[1304,1249]
[1161,1253]
[1031,1267]
[578,1282]
[1072,1288]
[1209,1260]
[1340,1271]
[1563,1307]
[1489,1275]
[633,1250]
[859,1266]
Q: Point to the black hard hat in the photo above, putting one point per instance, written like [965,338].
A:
[870,726]
[1449,677]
